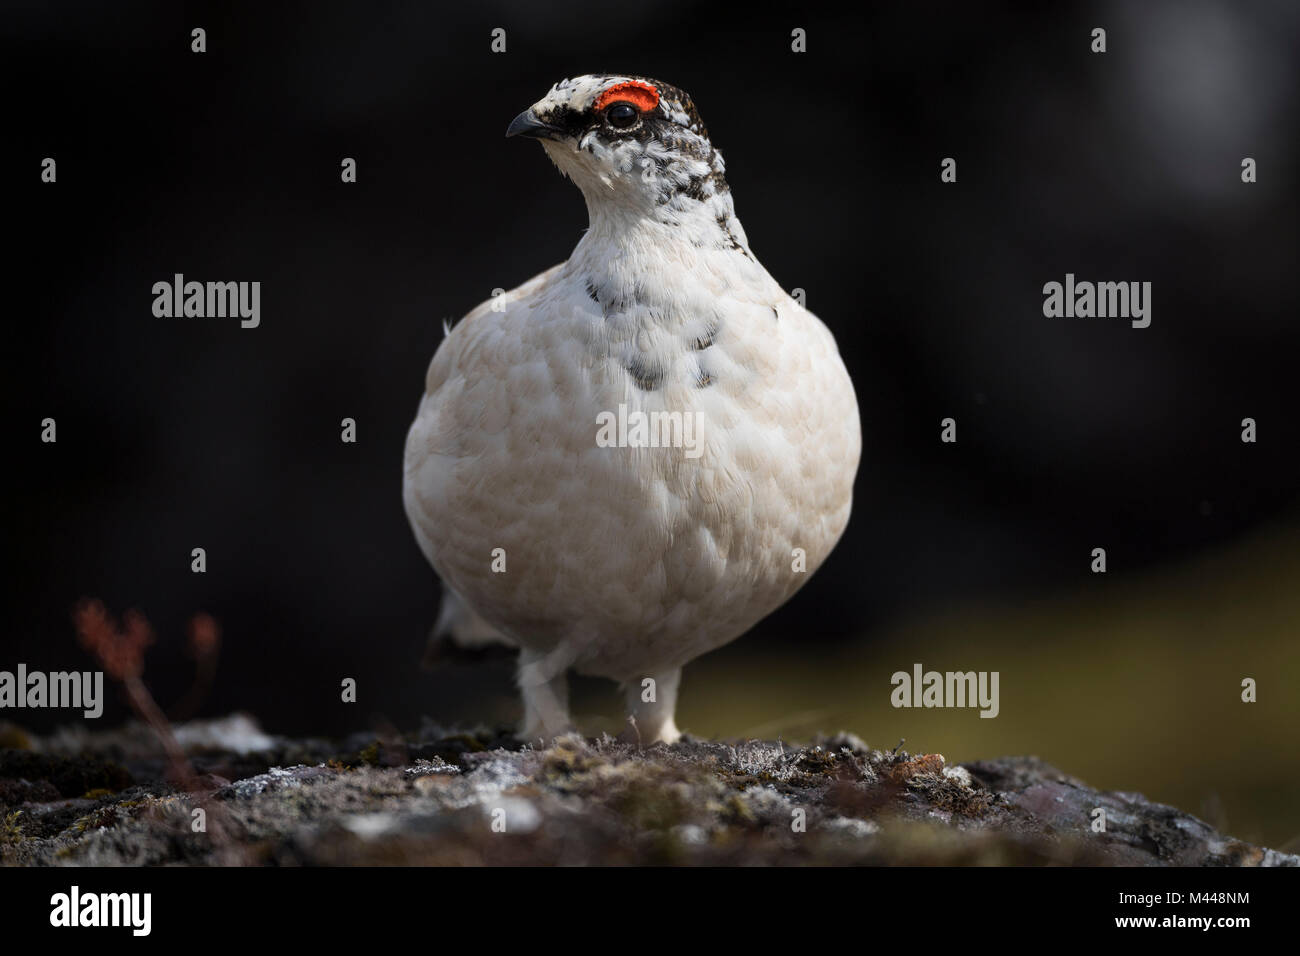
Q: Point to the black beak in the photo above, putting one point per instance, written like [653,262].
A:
[527,124]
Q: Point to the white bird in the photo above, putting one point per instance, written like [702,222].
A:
[635,456]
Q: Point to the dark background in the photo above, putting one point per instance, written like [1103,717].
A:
[183,433]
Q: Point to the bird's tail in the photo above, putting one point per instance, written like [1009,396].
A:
[460,634]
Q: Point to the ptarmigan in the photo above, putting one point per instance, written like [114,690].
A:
[635,456]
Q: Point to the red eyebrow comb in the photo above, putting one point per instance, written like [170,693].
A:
[641,95]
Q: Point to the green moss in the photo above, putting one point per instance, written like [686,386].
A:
[11,830]
[647,805]
[465,742]
[13,737]
[945,794]
[736,811]
[743,781]
[103,817]
[71,776]
[566,762]
[817,761]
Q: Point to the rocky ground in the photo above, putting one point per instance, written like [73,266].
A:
[477,797]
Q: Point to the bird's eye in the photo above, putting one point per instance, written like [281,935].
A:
[621,115]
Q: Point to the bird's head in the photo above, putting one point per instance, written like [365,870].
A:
[627,140]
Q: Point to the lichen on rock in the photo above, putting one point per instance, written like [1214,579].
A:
[475,796]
